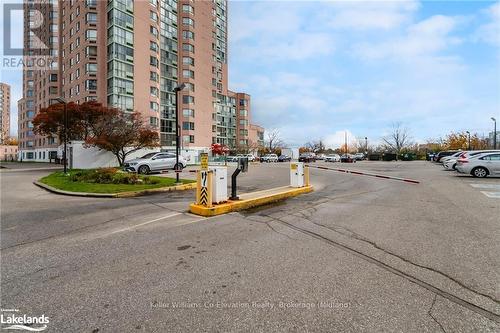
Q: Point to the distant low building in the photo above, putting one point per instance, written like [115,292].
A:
[8,152]
[491,139]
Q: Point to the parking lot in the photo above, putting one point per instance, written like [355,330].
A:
[358,254]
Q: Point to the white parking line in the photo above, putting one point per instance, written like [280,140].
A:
[144,223]
[493,186]
[495,195]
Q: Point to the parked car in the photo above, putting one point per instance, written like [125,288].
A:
[231,159]
[284,158]
[450,164]
[307,157]
[250,157]
[347,158]
[441,154]
[269,158]
[332,158]
[359,156]
[472,153]
[154,162]
[480,165]
[320,157]
[454,156]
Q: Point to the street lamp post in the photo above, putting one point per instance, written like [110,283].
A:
[494,133]
[468,140]
[177,138]
[366,145]
[63,101]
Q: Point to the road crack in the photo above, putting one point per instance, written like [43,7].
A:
[413,279]
[432,316]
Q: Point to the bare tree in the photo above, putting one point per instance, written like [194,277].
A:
[398,139]
[316,146]
[274,141]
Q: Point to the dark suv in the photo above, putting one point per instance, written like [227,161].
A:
[444,153]
[307,157]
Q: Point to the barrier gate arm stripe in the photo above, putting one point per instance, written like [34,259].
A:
[406,180]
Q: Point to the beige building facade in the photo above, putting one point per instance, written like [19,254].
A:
[4,112]
[131,55]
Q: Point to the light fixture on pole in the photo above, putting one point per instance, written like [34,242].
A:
[366,145]
[468,140]
[177,89]
[494,133]
[65,137]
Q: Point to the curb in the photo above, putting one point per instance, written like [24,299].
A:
[130,194]
[234,206]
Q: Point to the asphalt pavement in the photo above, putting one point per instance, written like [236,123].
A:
[360,254]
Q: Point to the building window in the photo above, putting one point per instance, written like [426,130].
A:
[187,21]
[243,113]
[243,102]
[188,126]
[188,138]
[187,34]
[91,51]
[91,68]
[153,76]
[188,48]
[91,35]
[186,99]
[91,18]
[153,16]
[153,31]
[188,61]
[153,106]
[186,73]
[153,91]
[153,46]
[53,78]
[153,61]
[188,112]
[153,121]
[187,9]
[91,84]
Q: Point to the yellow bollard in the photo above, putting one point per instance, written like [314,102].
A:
[210,184]
[306,176]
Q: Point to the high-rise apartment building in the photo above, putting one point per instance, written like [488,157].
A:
[131,55]
[4,112]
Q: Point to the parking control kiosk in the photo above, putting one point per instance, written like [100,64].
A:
[297,174]
[219,188]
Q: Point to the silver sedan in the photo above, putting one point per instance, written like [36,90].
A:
[482,165]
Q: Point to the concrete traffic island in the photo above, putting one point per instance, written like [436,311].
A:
[211,190]
[250,200]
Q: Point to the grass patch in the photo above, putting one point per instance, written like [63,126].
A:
[67,183]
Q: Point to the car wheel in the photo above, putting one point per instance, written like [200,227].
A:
[178,167]
[143,169]
[454,167]
[480,172]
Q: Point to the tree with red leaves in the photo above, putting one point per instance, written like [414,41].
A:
[219,149]
[122,133]
[99,126]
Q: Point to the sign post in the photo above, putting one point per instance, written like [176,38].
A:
[204,161]
[204,183]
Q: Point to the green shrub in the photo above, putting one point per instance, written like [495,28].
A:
[151,181]
[126,178]
[98,176]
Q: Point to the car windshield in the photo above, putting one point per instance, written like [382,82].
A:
[149,155]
